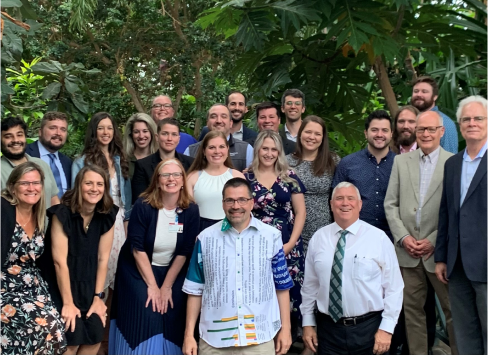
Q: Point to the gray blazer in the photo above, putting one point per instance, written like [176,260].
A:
[402,201]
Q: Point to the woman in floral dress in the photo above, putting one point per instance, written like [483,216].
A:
[278,201]
[30,322]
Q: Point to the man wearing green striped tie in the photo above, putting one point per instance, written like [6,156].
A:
[353,278]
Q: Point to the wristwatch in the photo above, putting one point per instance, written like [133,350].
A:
[101,295]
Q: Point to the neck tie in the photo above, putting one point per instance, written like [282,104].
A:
[57,175]
[335,289]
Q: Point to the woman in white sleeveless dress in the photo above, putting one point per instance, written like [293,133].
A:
[210,170]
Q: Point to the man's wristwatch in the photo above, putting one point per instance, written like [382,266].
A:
[101,295]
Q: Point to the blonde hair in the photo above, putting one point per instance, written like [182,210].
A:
[153,195]
[281,164]
[128,142]
[39,208]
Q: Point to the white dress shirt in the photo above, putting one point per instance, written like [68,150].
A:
[371,278]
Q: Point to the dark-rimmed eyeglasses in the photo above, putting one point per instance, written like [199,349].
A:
[241,201]
[431,130]
[160,106]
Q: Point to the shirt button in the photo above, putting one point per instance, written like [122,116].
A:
[376,191]
[238,272]
[377,167]
[377,179]
[376,205]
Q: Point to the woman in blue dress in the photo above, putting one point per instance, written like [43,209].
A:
[149,307]
[279,201]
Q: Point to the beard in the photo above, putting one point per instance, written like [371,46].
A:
[238,119]
[13,156]
[422,105]
[50,146]
[407,141]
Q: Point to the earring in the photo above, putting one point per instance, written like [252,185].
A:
[181,188]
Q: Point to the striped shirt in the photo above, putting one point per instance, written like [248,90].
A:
[427,167]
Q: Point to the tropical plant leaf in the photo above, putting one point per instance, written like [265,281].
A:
[71,85]
[11,3]
[80,104]
[44,68]
[253,28]
[51,90]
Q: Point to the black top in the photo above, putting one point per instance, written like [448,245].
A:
[144,170]
[8,228]
[82,265]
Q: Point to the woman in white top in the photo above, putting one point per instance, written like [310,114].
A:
[210,170]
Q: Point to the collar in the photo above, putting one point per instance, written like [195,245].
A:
[27,156]
[414,147]
[353,228]
[44,152]
[231,140]
[240,130]
[480,154]
[435,108]
[286,130]
[226,224]
[433,157]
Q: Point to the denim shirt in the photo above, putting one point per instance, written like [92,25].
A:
[124,184]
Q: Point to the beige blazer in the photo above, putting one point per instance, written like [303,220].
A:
[402,202]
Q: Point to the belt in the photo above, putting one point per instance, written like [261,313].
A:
[348,321]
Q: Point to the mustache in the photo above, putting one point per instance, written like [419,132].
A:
[237,210]
[16,143]
[236,110]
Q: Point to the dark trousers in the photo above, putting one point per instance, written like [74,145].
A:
[468,308]
[338,339]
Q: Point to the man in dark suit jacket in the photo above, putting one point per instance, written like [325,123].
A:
[168,138]
[52,137]
[236,103]
[268,118]
[461,247]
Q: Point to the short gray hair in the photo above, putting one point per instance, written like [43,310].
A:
[441,119]
[345,184]
[470,99]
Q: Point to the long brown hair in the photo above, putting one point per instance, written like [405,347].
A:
[324,162]
[93,153]
[153,194]
[200,162]
[74,198]
[38,209]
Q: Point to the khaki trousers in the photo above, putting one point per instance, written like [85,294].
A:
[414,296]
[261,349]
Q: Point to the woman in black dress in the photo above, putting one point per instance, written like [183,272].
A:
[81,230]
[149,306]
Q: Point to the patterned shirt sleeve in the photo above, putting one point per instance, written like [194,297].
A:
[195,277]
[297,188]
[281,276]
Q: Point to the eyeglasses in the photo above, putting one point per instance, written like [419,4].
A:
[28,183]
[160,106]
[297,103]
[174,175]
[431,130]
[241,201]
[476,119]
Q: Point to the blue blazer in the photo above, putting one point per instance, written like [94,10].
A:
[141,232]
[247,133]
[464,225]
[33,150]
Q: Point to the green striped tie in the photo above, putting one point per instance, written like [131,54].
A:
[335,289]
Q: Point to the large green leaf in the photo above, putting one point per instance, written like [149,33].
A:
[44,68]
[71,85]
[80,104]
[295,13]
[51,90]
[6,89]
[253,29]
[11,3]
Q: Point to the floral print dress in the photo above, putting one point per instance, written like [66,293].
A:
[274,207]
[30,322]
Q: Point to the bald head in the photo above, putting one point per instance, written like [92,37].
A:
[431,114]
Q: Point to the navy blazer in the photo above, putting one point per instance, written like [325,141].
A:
[144,170]
[33,150]
[465,225]
[247,133]
[141,232]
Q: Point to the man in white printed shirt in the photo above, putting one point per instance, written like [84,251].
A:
[239,280]
[352,276]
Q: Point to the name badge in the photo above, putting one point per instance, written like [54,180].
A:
[175,227]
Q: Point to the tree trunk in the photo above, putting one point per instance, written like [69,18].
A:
[409,66]
[134,96]
[385,86]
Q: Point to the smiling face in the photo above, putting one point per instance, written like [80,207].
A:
[105,132]
[268,119]
[312,136]
[423,97]
[162,108]
[216,151]
[268,153]
[141,135]
[238,215]
[293,108]
[92,188]
[237,106]
[168,138]
[378,134]
[406,123]
[170,184]
[472,130]
[28,188]
[13,143]
[219,119]
[53,135]
[429,142]
[346,206]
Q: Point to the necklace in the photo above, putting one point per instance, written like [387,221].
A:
[88,224]
[20,215]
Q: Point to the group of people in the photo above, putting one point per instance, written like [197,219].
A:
[243,242]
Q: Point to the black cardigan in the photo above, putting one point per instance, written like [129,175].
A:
[8,228]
